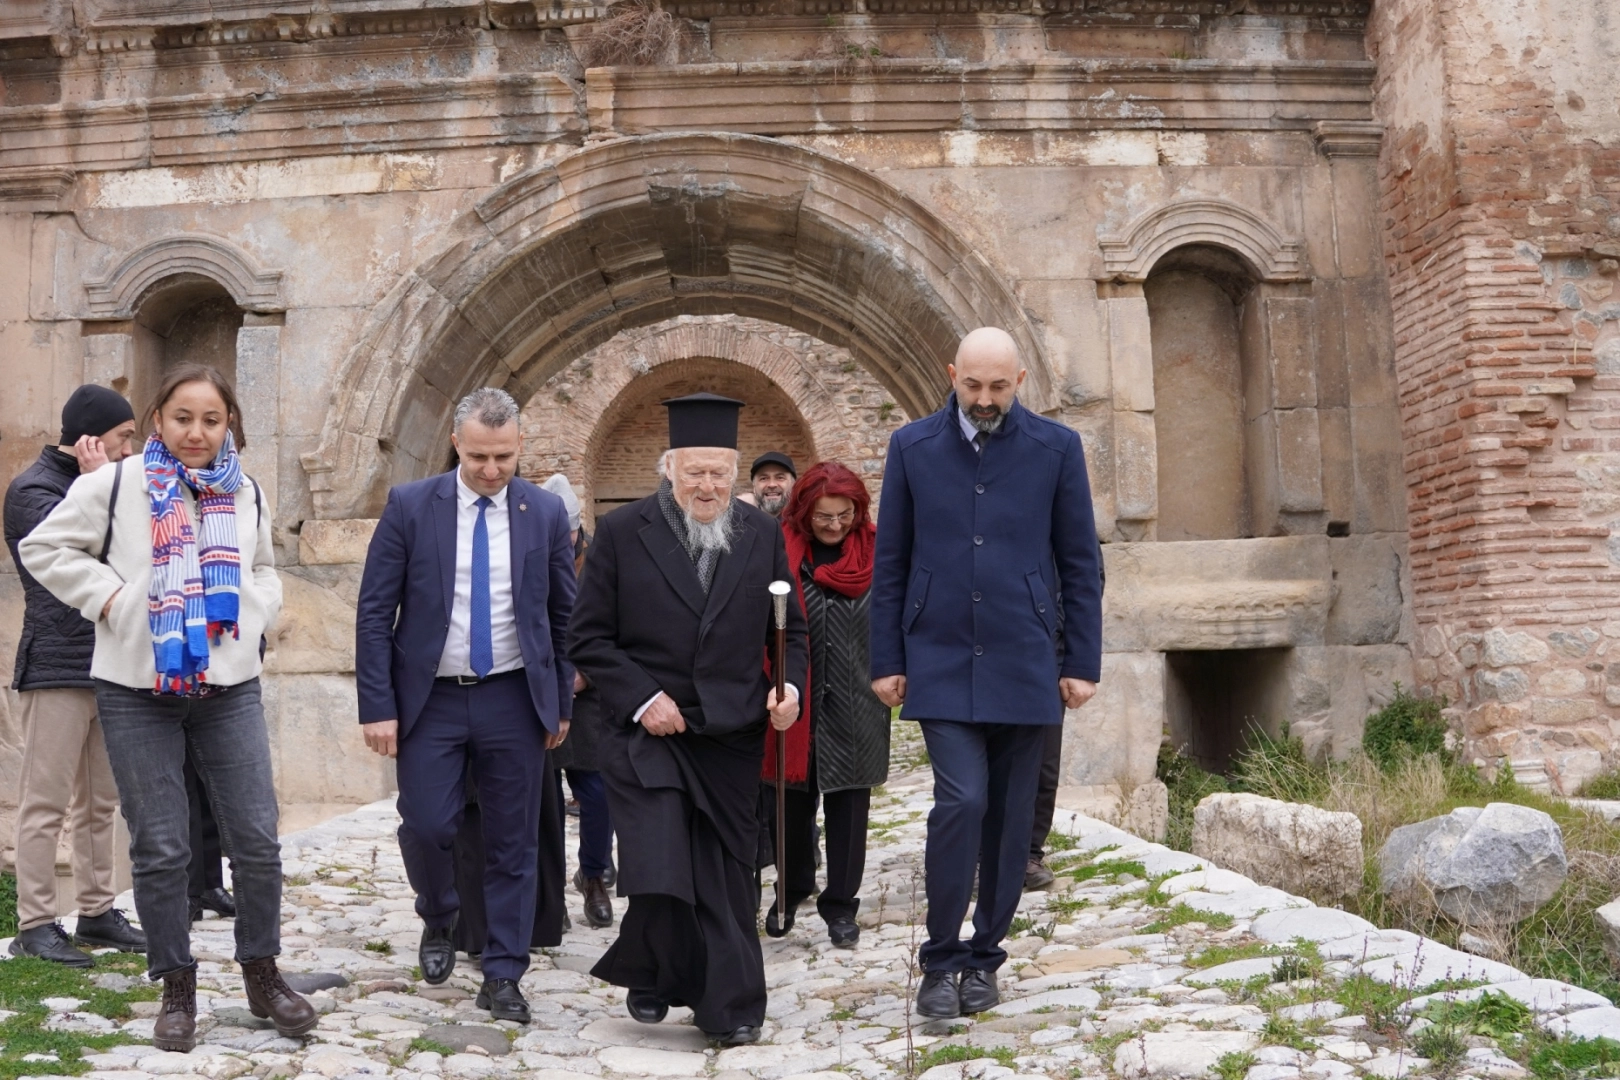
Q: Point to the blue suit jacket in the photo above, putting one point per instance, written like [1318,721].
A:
[408,586]
[982,559]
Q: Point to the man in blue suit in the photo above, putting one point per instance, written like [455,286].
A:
[986,555]
[459,655]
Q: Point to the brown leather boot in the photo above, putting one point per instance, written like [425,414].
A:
[176,1027]
[270,997]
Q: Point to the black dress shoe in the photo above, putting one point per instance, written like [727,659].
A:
[217,900]
[735,1037]
[937,997]
[645,1006]
[49,942]
[977,992]
[843,932]
[504,1000]
[598,908]
[437,953]
[610,876]
[109,930]
[776,929]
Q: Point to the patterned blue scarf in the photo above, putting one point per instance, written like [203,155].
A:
[195,589]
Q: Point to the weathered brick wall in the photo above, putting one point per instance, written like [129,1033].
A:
[598,421]
[1500,178]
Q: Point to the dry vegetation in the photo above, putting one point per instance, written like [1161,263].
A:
[1387,787]
[636,33]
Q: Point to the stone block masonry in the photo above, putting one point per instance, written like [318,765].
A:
[1500,177]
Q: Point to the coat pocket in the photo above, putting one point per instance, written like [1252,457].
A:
[916,597]
[1042,601]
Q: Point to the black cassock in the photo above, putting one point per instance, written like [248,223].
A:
[685,806]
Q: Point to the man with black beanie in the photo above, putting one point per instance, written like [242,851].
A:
[64,760]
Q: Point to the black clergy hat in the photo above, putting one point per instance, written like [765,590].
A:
[773,457]
[702,420]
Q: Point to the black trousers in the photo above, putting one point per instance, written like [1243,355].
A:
[847,815]
[1046,794]
[706,955]
[205,871]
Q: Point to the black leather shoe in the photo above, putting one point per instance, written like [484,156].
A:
[217,900]
[977,991]
[775,928]
[109,930]
[843,932]
[598,908]
[736,1037]
[437,953]
[1037,875]
[610,876]
[504,1000]
[645,1006]
[49,942]
[937,998]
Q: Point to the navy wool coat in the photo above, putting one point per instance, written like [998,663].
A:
[408,586]
[982,561]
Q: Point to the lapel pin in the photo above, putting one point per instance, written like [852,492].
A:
[523,506]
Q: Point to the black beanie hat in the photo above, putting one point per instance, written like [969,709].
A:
[93,410]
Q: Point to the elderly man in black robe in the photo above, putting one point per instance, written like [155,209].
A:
[672,626]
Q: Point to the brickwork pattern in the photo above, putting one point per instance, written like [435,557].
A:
[598,420]
[1500,238]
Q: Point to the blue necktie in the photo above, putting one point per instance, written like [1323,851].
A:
[480,639]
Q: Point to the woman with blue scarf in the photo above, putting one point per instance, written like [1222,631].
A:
[171,558]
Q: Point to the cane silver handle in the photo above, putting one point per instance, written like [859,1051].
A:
[779,595]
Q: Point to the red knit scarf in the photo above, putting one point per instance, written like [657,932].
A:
[850,576]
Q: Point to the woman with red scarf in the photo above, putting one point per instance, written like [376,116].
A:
[840,749]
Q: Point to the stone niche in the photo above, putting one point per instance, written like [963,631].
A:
[1204,639]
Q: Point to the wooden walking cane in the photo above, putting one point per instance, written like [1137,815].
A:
[779,600]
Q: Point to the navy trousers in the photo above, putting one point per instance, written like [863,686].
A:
[985,779]
[493,726]
[595,826]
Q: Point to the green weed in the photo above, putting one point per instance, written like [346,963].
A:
[955,1052]
[1235,1065]
[1568,1059]
[1406,728]
[1181,915]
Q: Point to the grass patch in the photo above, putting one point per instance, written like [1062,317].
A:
[1235,1065]
[1188,786]
[947,1055]
[8,905]
[1569,1059]
[420,1045]
[1408,727]
[1064,906]
[380,947]
[1105,868]
[1181,915]
[1603,786]
[1280,1032]
[25,981]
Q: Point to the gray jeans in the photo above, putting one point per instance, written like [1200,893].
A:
[147,736]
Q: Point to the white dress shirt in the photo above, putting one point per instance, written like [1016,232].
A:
[502,612]
[969,432]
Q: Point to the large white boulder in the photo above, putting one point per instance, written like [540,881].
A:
[1483,867]
[1290,846]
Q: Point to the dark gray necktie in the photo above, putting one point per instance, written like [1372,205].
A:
[979,440]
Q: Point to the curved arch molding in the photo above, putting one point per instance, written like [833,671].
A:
[118,294]
[634,231]
[1129,256]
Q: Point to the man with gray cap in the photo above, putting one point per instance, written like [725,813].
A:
[579,757]
[771,478]
[65,765]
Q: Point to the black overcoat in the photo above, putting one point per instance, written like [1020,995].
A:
[642,624]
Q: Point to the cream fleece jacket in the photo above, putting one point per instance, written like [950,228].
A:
[63,550]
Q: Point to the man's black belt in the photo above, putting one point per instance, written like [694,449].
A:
[473,680]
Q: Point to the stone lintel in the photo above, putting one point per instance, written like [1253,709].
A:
[1348,138]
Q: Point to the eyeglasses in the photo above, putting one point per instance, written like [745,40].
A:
[847,517]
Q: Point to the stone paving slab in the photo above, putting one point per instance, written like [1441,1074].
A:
[1098,982]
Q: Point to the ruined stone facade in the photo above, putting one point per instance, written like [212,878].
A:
[1308,276]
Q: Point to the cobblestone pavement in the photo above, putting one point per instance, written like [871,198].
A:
[1117,970]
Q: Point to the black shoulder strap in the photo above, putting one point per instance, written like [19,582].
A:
[258,504]
[112,508]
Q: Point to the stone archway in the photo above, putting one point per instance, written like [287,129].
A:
[838,410]
[633,231]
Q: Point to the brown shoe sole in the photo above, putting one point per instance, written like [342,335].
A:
[286,1032]
[177,1046]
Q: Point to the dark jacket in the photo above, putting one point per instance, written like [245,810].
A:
[57,642]
[974,553]
[406,591]
[851,736]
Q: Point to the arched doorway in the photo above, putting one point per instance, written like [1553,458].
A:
[633,231]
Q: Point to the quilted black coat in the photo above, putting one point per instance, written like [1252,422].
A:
[57,642]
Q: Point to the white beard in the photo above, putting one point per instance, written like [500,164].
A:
[712,535]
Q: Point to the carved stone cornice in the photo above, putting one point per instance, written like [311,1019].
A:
[44,186]
[1349,138]
[118,294]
